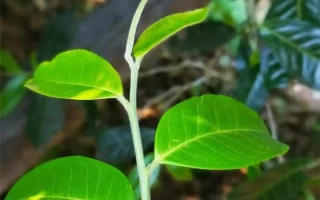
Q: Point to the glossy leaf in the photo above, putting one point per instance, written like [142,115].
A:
[76,74]
[134,176]
[307,10]
[296,46]
[164,28]
[180,173]
[12,94]
[282,182]
[76,177]
[115,144]
[9,63]
[231,12]
[213,132]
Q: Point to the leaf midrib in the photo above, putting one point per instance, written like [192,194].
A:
[74,84]
[167,153]
[286,41]
[53,197]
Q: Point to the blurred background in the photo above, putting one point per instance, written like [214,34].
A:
[211,57]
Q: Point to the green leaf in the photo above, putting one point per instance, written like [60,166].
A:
[9,63]
[134,176]
[231,12]
[115,144]
[12,94]
[213,132]
[164,28]
[307,10]
[76,178]
[180,173]
[45,119]
[282,182]
[76,74]
[296,46]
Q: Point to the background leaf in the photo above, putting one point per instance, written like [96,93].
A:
[115,144]
[77,74]
[213,132]
[282,182]
[180,173]
[72,178]
[164,28]
[9,63]
[296,45]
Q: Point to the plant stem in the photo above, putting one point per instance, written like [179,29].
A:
[131,106]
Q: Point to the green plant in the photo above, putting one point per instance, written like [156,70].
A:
[208,132]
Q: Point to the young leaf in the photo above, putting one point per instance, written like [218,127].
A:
[296,45]
[9,63]
[75,177]
[213,132]
[164,28]
[180,173]
[115,145]
[282,182]
[76,74]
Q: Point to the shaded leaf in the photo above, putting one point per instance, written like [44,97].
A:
[134,176]
[180,173]
[45,119]
[296,46]
[282,182]
[12,94]
[115,144]
[231,12]
[76,74]
[213,132]
[164,28]
[9,63]
[72,178]
[307,10]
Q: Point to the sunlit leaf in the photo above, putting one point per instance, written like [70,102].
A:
[282,182]
[76,178]
[180,173]
[76,74]
[213,132]
[296,46]
[12,94]
[164,28]
[134,177]
[115,144]
[9,63]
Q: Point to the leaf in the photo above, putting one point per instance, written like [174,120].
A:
[115,144]
[164,28]
[74,178]
[213,132]
[9,63]
[296,46]
[307,10]
[180,173]
[231,12]
[76,74]
[282,182]
[134,176]
[12,94]
[45,119]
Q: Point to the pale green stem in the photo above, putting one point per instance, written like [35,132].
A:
[131,107]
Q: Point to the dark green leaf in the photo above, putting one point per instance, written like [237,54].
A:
[76,74]
[307,10]
[134,177]
[180,173]
[231,12]
[76,178]
[213,132]
[9,63]
[164,28]
[45,119]
[12,94]
[115,144]
[295,44]
[282,182]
